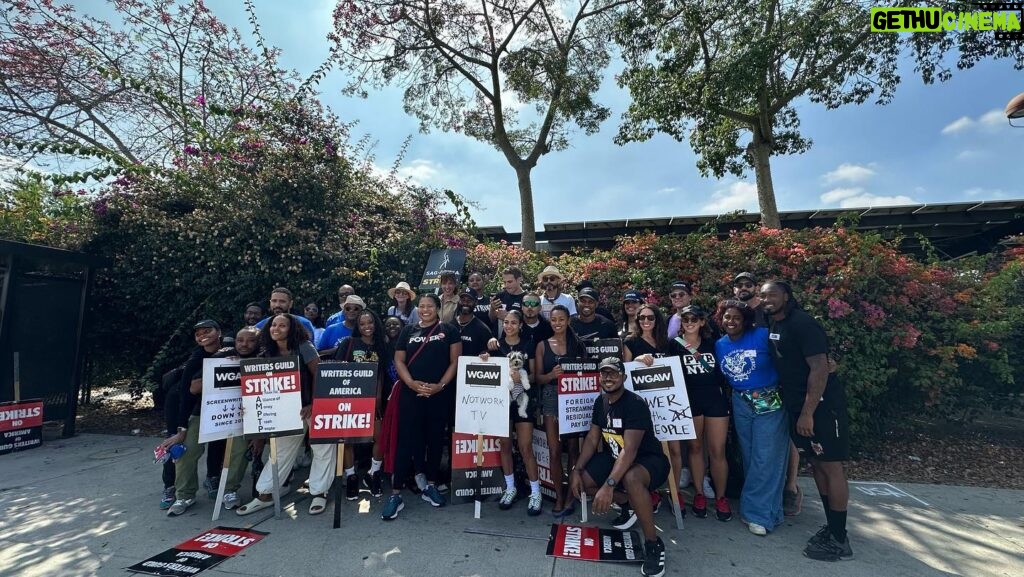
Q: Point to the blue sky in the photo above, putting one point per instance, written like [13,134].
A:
[946,142]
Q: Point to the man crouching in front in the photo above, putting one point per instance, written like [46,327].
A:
[631,465]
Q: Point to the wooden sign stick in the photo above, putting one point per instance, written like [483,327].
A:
[673,488]
[276,476]
[479,471]
[339,471]
[223,479]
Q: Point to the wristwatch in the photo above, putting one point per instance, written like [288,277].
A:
[610,482]
[182,429]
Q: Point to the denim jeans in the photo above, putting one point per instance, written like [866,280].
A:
[764,443]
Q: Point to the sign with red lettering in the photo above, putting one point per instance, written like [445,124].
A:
[271,396]
[472,482]
[199,553]
[577,388]
[594,544]
[21,425]
[344,403]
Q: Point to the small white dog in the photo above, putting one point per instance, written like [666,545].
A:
[517,362]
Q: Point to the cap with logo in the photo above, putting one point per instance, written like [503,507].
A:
[206,324]
[611,363]
[632,296]
[744,275]
[589,292]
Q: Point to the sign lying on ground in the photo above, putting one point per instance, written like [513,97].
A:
[199,553]
[577,388]
[272,396]
[21,426]
[344,403]
[594,544]
[470,481]
[482,397]
[664,389]
[220,414]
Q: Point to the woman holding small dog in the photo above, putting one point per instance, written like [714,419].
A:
[513,342]
[563,344]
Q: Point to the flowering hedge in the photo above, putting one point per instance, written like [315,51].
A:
[910,336]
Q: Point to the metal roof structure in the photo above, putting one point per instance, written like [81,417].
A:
[953,229]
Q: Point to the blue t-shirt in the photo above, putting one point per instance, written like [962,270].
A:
[747,362]
[335,318]
[332,335]
[305,322]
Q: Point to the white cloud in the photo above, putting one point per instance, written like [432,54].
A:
[959,125]
[968,155]
[856,197]
[420,171]
[987,193]
[848,173]
[737,196]
[994,117]
[667,190]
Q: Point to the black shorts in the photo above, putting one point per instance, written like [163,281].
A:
[709,402]
[600,466]
[831,440]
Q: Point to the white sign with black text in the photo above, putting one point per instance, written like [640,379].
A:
[482,397]
[221,406]
[664,389]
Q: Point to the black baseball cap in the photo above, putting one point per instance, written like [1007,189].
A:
[469,292]
[746,275]
[681,284]
[611,363]
[590,293]
[694,310]
[206,324]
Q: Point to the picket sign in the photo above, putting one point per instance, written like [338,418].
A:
[673,488]
[276,493]
[223,479]
[479,471]
[339,471]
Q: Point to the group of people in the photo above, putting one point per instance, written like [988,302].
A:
[757,361]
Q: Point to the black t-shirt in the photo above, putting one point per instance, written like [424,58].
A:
[701,375]
[523,346]
[189,403]
[638,346]
[760,318]
[792,340]
[541,332]
[435,357]
[355,350]
[599,328]
[629,412]
[474,337]
[483,310]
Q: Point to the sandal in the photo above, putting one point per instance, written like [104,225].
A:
[253,506]
[318,505]
[565,511]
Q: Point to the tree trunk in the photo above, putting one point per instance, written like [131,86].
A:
[529,239]
[765,189]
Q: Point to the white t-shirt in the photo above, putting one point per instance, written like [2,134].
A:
[563,299]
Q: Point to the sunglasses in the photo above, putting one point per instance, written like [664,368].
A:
[677,295]
[353,309]
[645,318]
[531,303]
[690,320]
[745,285]
[548,278]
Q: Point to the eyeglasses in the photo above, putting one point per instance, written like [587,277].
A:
[677,295]
[747,285]
[690,320]
[353,309]
[531,303]
[645,318]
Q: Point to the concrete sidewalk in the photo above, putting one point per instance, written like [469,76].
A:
[88,506]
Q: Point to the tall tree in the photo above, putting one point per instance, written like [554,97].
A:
[134,87]
[516,74]
[722,71]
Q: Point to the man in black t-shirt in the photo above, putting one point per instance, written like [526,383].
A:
[587,323]
[473,331]
[535,327]
[631,465]
[744,288]
[483,306]
[508,299]
[816,403]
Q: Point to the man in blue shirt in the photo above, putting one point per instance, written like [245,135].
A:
[281,303]
[351,309]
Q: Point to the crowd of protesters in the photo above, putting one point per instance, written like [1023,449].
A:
[757,364]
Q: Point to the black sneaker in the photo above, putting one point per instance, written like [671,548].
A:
[654,559]
[626,518]
[829,549]
[376,484]
[822,535]
[352,487]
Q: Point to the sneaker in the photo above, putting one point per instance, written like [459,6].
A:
[211,485]
[179,507]
[792,502]
[231,501]
[421,482]
[655,502]
[700,506]
[757,529]
[822,535]
[829,549]
[709,491]
[442,487]
[685,478]
[722,509]
[535,506]
[352,487]
[507,499]
[654,559]
[626,518]
[376,482]
[432,496]
[392,507]
[168,498]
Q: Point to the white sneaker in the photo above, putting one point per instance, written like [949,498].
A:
[685,478]
[231,501]
[421,481]
[709,492]
[757,529]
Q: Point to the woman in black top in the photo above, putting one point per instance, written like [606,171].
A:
[631,302]
[705,386]
[648,342]
[426,358]
[368,345]
[512,341]
[284,336]
[562,344]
